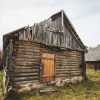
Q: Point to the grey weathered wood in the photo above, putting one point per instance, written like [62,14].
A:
[23,51]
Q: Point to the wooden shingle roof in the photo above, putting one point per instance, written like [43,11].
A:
[56,31]
[93,54]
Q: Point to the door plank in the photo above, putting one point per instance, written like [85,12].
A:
[48,67]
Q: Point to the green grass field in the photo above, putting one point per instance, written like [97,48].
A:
[1,90]
[89,90]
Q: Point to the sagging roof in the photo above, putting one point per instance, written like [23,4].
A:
[93,54]
[69,24]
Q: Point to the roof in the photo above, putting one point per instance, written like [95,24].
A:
[64,17]
[93,54]
[13,32]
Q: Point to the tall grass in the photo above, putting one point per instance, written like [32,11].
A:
[1,84]
[89,90]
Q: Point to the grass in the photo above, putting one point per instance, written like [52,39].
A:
[1,86]
[89,90]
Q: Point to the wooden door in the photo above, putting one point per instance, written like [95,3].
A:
[47,67]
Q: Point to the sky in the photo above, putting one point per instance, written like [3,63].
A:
[83,14]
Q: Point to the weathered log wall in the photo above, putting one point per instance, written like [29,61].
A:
[68,64]
[27,63]
[9,54]
[26,68]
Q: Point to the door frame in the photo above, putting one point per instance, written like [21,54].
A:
[41,67]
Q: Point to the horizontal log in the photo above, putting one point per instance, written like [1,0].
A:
[28,53]
[76,74]
[26,71]
[36,47]
[70,54]
[26,68]
[25,82]
[66,66]
[68,69]
[25,62]
[20,50]
[68,72]
[35,66]
[28,50]
[67,57]
[75,52]
[78,52]
[64,76]
[68,75]
[25,78]
[26,47]
[27,56]
[27,59]
[25,74]
[67,63]
[70,51]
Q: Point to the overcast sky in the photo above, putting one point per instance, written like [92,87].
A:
[84,15]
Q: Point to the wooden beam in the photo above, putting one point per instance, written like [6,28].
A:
[62,20]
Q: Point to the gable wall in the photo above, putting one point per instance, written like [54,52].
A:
[49,32]
[69,40]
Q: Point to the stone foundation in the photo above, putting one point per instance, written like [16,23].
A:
[68,81]
[57,83]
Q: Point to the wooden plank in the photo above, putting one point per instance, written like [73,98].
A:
[62,21]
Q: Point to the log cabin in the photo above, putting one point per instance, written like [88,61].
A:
[92,58]
[49,51]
